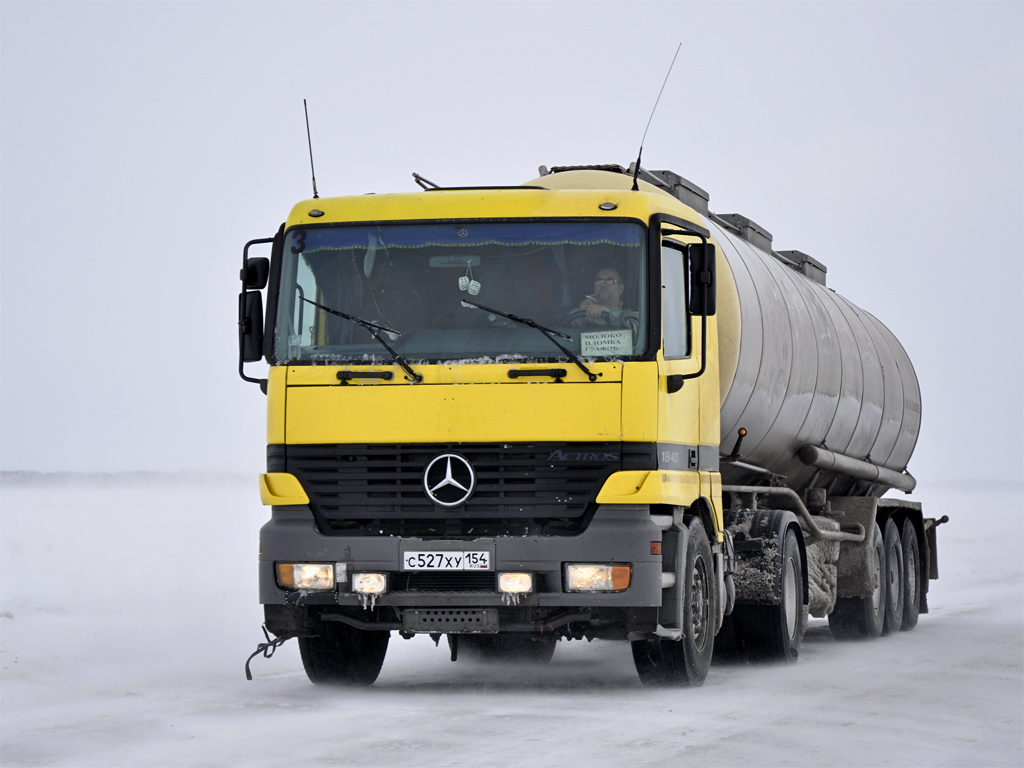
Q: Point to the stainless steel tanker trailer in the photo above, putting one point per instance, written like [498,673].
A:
[601,410]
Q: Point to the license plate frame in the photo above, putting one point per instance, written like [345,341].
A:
[435,559]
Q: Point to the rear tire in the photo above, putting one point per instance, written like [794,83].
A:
[893,579]
[773,632]
[514,648]
[343,655]
[661,661]
[862,618]
[911,576]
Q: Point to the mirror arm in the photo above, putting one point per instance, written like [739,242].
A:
[703,321]
[703,344]
[243,320]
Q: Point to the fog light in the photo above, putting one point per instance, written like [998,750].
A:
[596,578]
[370,583]
[312,576]
[515,583]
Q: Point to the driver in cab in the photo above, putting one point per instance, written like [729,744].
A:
[604,307]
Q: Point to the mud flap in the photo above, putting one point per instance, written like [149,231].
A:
[673,554]
[856,566]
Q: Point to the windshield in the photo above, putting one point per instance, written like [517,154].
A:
[582,279]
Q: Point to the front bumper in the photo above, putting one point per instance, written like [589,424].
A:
[620,534]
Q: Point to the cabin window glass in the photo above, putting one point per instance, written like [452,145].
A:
[587,280]
[675,320]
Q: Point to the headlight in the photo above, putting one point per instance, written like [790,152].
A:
[515,583]
[312,576]
[370,583]
[596,578]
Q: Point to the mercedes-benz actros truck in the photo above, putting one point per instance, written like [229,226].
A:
[581,407]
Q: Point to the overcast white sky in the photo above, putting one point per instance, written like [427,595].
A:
[142,144]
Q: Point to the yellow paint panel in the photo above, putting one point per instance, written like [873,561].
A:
[281,488]
[482,204]
[660,487]
[711,489]
[454,413]
[621,487]
[640,402]
[276,381]
[327,375]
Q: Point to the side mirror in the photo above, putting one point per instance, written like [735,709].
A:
[702,278]
[250,325]
[255,273]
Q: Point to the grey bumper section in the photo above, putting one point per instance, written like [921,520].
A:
[617,534]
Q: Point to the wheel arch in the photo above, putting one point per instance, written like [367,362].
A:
[702,509]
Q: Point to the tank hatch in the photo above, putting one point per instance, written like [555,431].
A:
[804,264]
[747,229]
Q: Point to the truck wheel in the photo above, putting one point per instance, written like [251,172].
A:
[662,661]
[343,655]
[911,576]
[773,632]
[862,618]
[514,648]
[893,578]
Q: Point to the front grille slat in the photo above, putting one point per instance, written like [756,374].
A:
[519,486]
[428,581]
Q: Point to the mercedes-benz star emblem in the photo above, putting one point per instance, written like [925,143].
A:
[449,480]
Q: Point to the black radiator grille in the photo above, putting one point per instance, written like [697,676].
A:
[378,489]
[421,581]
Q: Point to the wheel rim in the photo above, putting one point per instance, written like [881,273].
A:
[789,596]
[895,576]
[911,558]
[876,595]
[700,605]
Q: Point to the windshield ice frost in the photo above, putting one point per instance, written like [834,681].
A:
[585,279]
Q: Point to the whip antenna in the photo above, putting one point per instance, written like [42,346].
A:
[308,139]
[636,171]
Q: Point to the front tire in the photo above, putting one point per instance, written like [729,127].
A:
[343,655]
[773,632]
[662,661]
[862,618]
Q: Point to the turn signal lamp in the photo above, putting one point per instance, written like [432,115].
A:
[311,576]
[369,583]
[515,583]
[586,577]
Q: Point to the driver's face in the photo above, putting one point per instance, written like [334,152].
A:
[608,287]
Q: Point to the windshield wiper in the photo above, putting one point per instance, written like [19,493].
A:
[374,329]
[546,331]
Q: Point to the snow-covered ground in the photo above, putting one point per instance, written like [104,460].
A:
[129,608]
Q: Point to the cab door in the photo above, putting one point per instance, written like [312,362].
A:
[679,407]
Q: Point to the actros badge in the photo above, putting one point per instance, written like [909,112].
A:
[449,480]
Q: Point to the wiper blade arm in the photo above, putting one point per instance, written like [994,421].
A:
[550,333]
[374,330]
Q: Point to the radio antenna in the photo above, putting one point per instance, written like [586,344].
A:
[636,170]
[308,139]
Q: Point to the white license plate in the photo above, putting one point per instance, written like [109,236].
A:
[447,561]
